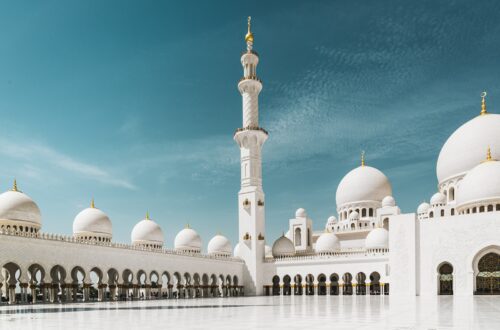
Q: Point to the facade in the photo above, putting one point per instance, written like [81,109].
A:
[451,245]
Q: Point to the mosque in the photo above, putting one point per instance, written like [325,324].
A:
[449,246]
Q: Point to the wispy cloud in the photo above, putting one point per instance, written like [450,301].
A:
[35,156]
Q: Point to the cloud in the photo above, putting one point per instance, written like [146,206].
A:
[35,155]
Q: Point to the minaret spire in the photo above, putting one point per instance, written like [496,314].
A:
[249,35]
[363,158]
[14,186]
[92,204]
[483,103]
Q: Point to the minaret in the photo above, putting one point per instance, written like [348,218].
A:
[250,139]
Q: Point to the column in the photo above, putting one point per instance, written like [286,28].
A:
[33,293]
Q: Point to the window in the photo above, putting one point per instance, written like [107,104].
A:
[490,208]
[298,237]
[370,212]
[431,214]
[363,212]
[442,213]
[451,194]
[452,211]
[481,209]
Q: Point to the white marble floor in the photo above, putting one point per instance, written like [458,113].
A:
[301,312]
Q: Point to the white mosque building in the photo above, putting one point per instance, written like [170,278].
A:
[449,246]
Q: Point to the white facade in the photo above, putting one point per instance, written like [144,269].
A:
[451,245]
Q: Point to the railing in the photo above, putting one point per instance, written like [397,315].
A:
[250,78]
[251,128]
[71,239]
[346,253]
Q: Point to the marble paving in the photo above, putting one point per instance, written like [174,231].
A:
[299,312]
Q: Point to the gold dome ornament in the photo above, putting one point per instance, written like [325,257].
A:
[363,158]
[483,103]
[249,35]
[14,186]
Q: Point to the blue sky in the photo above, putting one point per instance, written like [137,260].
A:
[135,103]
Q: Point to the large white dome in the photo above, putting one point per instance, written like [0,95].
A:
[364,183]
[148,233]
[327,242]
[480,185]
[219,245]
[92,222]
[423,208]
[188,240]
[283,247]
[465,148]
[19,208]
[378,238]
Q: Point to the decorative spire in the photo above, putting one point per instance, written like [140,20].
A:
[92,204]
[249,35]
[363,158]
[488,155]
[14,185]
[483,103]
[147,215]
[188,226]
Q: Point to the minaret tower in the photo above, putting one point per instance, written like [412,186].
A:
[250,139]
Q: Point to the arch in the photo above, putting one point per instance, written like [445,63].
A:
[361,285]
[451,194]
[12,274]
[214,289]
[276,285]
[374,283]
[321,284]
[298,236]
[347,278]
[309,284]
[297,281]
[385,223]
[445,278]
[36,274]
[235,280]
[488,274]
[58,278]
[166,288]
[287,288]
[334,284]
[78,277]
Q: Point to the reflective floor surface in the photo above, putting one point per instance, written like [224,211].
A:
[299,312]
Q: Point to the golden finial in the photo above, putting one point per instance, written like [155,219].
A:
[363,158]
[488,155]
[249,36]
[92,204]
[483,103]
[14,185]
[188,226]
[147,215]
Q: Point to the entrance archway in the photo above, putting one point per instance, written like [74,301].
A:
[287,288]
[488,277]
[334,284]
[276,285]
[321,285]
[445,279]
[297,285]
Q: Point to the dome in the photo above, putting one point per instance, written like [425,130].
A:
[480,185]
[268,252]
[327,242]
[331,221]
[388,201]
[438,199]
[147,232]
[378,238]
[364,183]
[465,148]
[188,240]
[300,213]
[354,216]
[236,251]
[19,208]
[283,247]
[423,208]
[219,245]
[92,222]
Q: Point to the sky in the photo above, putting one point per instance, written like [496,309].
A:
[134,103]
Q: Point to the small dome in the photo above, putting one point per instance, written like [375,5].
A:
[147,232]
[188,240]
[362,184]
[92,222]
[219,245]
[354,216]
[236,251]
[327,242]
[438,199]
[423,208]
[378,238]
[18,207]
[480,185]
[331,221]
[300,213]
[465,148]
[388,201]
[283,247]
[268,252]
